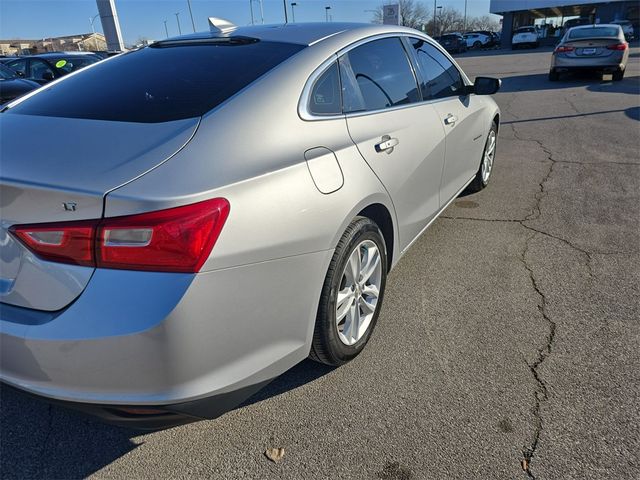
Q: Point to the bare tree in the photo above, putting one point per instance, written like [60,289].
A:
[484,22]
[413,14]
[448,20]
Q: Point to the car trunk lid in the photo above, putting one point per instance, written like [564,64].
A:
[59,169]
[594,47]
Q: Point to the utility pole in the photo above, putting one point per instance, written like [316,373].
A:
[251,10]
[293,12]
[326,13]
[166,30]
[464,23]
[435,9]
[286,17]
[178,21]
[261,12]
[93,19]
[191,14]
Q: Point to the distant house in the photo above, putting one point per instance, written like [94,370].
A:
[70,43]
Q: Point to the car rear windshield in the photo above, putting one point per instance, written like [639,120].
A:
[160,84]
[593,32]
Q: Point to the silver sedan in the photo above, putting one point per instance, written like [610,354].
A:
[599,47]
[183,223]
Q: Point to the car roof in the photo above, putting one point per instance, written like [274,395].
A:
[596,25]
[298,33]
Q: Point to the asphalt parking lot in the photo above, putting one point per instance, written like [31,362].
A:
[509,336]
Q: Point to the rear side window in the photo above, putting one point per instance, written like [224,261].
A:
[325,94]
[19,66]
[159,84]
[377,75]
[594,32]
[442,78]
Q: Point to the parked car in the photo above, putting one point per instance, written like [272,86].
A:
[242,216]
[627,29]
[477,40]
[453,42]
[576,22]
[12,86]
[525,37]
[494,38]
[599,47]
[45,67]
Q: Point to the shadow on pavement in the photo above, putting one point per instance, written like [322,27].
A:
[633,113]
[591,80]
[305,372]
[38,440]
[502,51]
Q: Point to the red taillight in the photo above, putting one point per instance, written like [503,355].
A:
[175,240]
[618,46]
[563,49]
[66,242]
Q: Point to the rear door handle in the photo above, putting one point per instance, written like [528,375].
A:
[387,144]
[450,120]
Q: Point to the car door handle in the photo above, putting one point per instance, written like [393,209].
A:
[450,120]
[387,144]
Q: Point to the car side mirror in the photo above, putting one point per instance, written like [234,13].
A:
[486,85]
[47,76]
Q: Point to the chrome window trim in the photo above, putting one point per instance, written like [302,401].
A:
[303,110]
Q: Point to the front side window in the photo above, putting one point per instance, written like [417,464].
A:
[325,93]
[160,83]
[38,70]
[377,75]
[19,66]
[442,78]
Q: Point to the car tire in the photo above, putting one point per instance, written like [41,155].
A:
[330,345]
[553,75]
[618,75]
[481,180]
[477,44]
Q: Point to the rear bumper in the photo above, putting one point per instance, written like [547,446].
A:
[608,64]
[189,345]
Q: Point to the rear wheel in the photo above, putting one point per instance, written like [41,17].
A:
[352,294]
[486,164]
[477,44]
[618,75]
[553,75]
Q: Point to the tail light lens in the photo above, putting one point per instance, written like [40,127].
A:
[67,242]
[175,240]
[618,46]
[563,49]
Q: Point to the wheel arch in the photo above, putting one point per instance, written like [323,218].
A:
[381,215]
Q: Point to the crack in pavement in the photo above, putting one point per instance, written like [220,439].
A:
[542,393]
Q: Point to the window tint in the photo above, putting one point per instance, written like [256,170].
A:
[19,66]
[37,69]
[160,84]
[377,75]
[71,64]
[325,94]
[442,77]
[594,32]
[6,73]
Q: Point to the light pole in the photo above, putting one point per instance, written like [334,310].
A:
[166,30]
[464,23]
[284,5]
[326,13]
[93,19]
[440,15]
[191,14]
[261,12]
[293,12]
[251,10]
[178,21]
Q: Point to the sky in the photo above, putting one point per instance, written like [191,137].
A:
[31,19]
